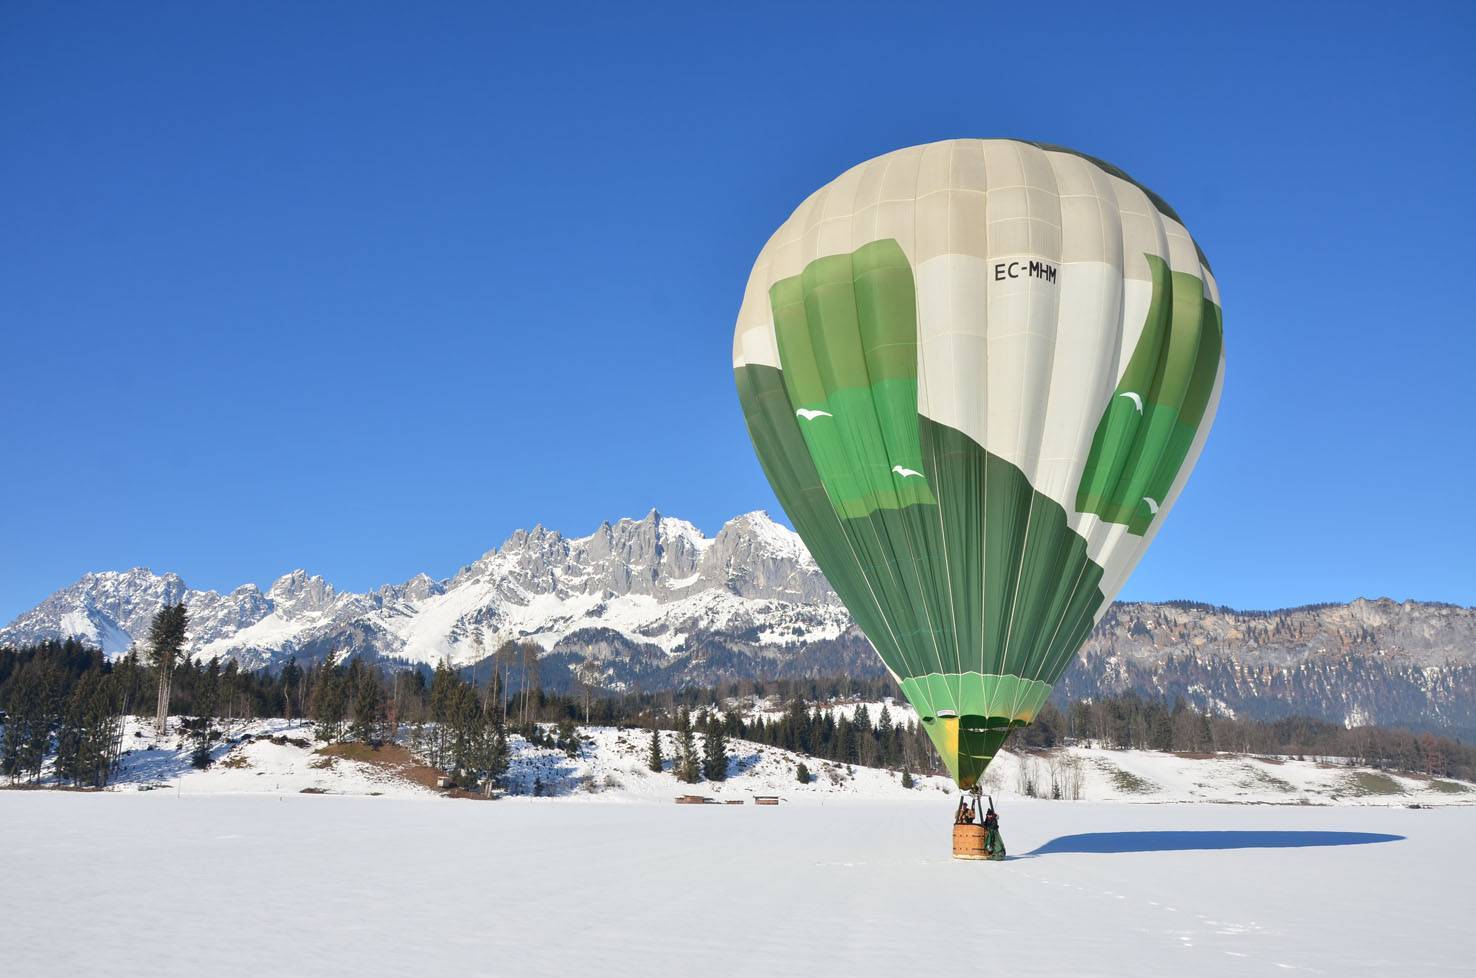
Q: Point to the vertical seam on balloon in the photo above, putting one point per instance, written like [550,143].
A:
[873,518]
[1109,382]
[1052,657]
[1061,622]
[848,533]
[1004,651]
[1040,440]
[918,599]
[1081,445]
[882,615]
[982,502]
[938,492]
[1102,530]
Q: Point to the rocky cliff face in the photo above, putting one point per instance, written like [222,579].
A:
[1369,661]
[1413,632]
[653,603]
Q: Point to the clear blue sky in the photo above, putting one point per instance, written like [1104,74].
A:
[364,287]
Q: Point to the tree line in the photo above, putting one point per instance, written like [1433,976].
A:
[1134,722]
[67,699]
[60,697]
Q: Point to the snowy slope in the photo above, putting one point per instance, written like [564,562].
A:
[611,766]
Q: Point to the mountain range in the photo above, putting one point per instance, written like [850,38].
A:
[654,603]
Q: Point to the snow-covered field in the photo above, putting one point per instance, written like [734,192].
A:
[160,885]
[281,859]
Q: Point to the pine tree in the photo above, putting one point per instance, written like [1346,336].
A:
[128,681]
[487,759]
[802,773]
[687,768]
[34,711]
[654,761]
[568,739]
[329,701]
[443,689]
[844,742]
[206,698]
[71,737]
[531,683]
[289,677]
[465,725]
[907,781]
[87,738]
[494,767]
[368,705]
[715,752]
[22,705]
[166,641]
[797,733]
[1161,732]
[103,741]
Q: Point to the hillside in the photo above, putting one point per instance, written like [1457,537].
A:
[280,757]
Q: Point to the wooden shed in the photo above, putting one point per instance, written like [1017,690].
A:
[692,799]
[766,799]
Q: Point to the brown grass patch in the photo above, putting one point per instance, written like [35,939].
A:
[1371,783]
[235,761]
[463,793]
[394,758]
[1449,787]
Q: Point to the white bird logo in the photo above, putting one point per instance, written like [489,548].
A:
[1152,505]
[1137,401]
[906,473]
[809,414]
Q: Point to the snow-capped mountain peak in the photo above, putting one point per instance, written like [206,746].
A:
[654,586]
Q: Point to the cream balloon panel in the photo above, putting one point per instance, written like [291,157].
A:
[990,341]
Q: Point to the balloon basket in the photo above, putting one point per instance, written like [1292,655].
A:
[968,842]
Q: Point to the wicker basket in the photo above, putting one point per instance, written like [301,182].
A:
[968,842]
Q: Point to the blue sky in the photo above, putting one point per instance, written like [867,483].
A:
[362,288]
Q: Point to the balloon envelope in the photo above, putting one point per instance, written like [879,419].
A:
[977,374]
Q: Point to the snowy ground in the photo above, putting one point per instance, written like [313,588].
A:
[611,767]
[160,885]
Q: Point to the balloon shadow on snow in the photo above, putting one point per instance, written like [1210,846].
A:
[1186,841]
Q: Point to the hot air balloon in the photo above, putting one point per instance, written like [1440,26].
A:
[977,374]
